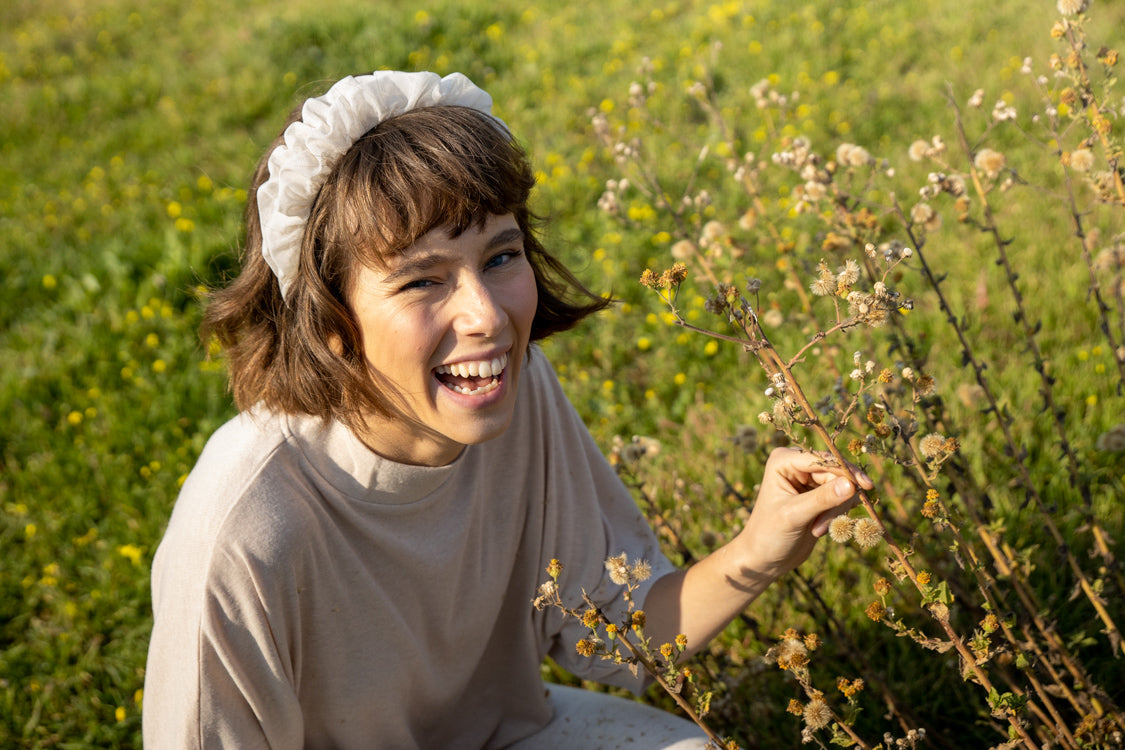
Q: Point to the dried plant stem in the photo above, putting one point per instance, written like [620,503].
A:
[1076,45]
[1030,331]
[899,554]
[901,712]
[986,585]
[757,342]
[643,659]
[1016,453]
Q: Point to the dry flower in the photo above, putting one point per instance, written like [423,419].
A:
[840,529]
[1082,159]
[817,714]
[618,569]
[1072,7]
[683,250]
[932,446]
[867,532]
[990,162]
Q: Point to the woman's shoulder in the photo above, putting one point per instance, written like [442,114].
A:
[248,462]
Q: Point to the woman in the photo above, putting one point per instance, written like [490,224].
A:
[352,561]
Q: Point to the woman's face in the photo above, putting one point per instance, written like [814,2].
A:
[445,327]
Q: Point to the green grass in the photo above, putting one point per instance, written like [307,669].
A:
[127,137]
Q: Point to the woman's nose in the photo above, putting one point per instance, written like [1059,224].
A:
[479,309]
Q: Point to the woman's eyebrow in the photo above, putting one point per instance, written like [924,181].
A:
[508,236]
[420,263]
[417,264]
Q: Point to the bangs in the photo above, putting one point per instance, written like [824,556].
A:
[428,168]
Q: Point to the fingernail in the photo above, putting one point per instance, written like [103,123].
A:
[843,488]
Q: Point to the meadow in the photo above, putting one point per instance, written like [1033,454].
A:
[763,145]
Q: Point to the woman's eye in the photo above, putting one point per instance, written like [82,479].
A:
[503,258]
[417,284]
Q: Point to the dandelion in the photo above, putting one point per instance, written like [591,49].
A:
[867,532]
[713,230]
[989,161]
[840,529]
[815,191]
[683,250]
[1082,159]
[849,274]
[825,285]
[641,571]
[932,446]
[817,714]
[618,569]
[921,213]
[1072,7]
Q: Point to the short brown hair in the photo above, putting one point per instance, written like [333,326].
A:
[427,168]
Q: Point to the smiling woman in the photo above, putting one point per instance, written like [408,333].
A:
[445,328]
[352,561]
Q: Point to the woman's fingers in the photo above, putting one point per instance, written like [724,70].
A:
[809,469]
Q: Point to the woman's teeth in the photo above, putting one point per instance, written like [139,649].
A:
[477,369]
[483,369]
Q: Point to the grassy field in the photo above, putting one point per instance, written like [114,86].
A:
[128,133]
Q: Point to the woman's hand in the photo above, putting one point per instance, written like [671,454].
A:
[799,495]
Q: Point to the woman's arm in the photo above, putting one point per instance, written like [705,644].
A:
[797,500]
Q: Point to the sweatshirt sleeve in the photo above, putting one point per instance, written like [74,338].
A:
[218,672]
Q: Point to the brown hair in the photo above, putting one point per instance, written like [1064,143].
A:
[430,167]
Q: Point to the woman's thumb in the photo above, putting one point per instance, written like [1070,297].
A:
[831,496]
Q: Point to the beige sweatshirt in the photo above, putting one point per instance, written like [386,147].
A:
[310,594]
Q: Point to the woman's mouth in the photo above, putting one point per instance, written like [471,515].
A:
[474,377]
